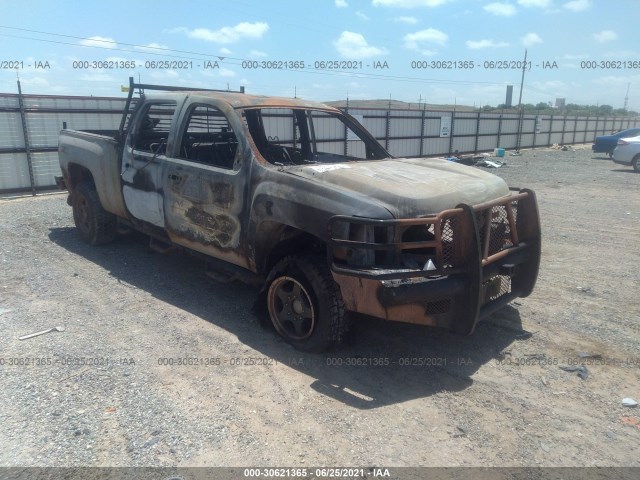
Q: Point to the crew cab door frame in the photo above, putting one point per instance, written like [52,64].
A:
[205,203]
[141,168]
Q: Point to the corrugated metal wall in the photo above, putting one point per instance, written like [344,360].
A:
[405,133]
[44,117]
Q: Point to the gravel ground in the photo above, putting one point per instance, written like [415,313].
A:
[102,393]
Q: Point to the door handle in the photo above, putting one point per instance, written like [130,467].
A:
[174,177]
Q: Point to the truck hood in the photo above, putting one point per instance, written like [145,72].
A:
[409,187]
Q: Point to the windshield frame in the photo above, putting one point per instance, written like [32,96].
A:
[307,151]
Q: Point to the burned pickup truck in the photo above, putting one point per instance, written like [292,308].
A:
[298,198]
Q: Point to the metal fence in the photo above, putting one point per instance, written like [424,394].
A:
[30,124]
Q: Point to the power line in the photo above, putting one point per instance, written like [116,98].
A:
[143,49]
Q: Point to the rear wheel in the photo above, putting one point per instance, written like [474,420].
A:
[95,225]
[636,163]
[305,304]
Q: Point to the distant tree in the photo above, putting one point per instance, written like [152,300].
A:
[542,106]
[605,110]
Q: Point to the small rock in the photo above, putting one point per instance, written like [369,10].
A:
[151,442]
[595,356]
[545,447]
[629,402]
[611,435]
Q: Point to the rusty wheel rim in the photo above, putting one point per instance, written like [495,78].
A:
[83,215]
[291,309]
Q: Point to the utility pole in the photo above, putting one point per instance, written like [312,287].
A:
[521,121]
[626,97]
[25,136]
[524,68]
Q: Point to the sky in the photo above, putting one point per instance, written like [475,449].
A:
[461,52]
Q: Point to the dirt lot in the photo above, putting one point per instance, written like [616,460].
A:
[103,392]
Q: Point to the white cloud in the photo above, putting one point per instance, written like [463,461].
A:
[581,56]
[501,9]
[363,16]
[354,45]
[479,44]
[619,80]
[98,41]
[152,47]
[225,51]
[34,81]
[416,41]
[555,87]
[225,72]
[535,3]
[623,54]
[408,3]
[407,20]
[97,77]
[605,36]
[172,75]
[257,53]
[226,34]
[577,5]
[531,39]
[341,4]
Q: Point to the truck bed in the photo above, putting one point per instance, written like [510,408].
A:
[99,154]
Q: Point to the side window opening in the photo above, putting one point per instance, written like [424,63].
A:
[208,138]
[280,134]
[298,137]
[153,128]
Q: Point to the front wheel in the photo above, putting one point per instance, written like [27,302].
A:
[305,304]
[636,163]
[95,225]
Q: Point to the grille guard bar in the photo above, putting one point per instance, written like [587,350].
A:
[472,246]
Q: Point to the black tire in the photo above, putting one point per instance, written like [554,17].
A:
[636,163]
[305,304]
[611,154]
[95,225]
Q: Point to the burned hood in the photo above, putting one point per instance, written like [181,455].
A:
[409,187]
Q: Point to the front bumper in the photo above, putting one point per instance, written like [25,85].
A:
[464,263]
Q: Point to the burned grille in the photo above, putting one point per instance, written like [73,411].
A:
[438,307]
[495,287]
[448,227]
[495,228]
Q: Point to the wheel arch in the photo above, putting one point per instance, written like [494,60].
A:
[78,174]
[278,240]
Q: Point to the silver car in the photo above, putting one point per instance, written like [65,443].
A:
[627,152]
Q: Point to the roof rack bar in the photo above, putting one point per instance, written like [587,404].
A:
[167,88]
[173,88]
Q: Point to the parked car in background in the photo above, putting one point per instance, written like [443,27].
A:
[606,143]
[627,152]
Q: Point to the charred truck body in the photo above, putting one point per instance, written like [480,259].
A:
[299,198]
